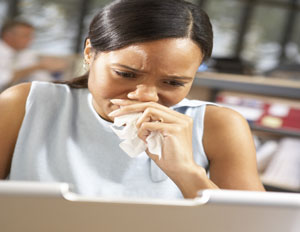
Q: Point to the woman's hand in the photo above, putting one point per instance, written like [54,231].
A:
[177,154]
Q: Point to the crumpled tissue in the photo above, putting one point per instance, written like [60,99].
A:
[132,144]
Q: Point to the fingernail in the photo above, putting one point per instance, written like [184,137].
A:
[113,113]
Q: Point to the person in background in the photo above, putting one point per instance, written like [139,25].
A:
[143,57]
[17,62]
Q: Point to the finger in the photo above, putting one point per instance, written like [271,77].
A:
[145,131]
[123,102]
[141,107]
[169,116]
[129,106]
[143,134]
[123,107]
[165,129]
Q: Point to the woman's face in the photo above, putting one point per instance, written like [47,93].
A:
[160,71]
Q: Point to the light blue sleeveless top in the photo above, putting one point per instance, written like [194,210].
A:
[63,139]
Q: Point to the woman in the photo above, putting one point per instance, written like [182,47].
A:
[142,58]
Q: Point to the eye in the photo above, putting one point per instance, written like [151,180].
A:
[125,74]
[174,83]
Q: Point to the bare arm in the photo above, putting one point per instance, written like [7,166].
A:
[230,149]
[22,73]
[12,108]
[50,64]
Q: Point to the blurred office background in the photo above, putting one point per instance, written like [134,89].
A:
[251,36]
[255,67]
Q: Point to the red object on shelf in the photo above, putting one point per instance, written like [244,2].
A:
[286,118]
[291,121]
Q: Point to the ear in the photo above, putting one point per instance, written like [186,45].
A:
[88,52]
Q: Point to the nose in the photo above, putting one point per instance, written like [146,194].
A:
[144,93]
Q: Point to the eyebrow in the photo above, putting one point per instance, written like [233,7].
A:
[129,68]
[181,77]
[139,71]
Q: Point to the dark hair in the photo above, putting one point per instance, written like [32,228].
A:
[10,24]
[125,22]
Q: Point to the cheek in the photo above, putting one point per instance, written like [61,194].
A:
[103,87]
[172,98]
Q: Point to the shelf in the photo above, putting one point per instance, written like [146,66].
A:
[270,188]
[281,132]
[249,84]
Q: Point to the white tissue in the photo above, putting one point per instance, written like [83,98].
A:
[132,144]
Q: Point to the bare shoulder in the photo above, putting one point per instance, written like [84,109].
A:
[222,116]
[224,127]
[12,108]
[16,90]
[14,98]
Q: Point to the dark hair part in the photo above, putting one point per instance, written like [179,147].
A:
[125,22]
[10,24]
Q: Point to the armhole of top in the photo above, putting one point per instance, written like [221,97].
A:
[203,114]
[202,134]
[29,97]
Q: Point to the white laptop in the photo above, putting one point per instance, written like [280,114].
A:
[52,207]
